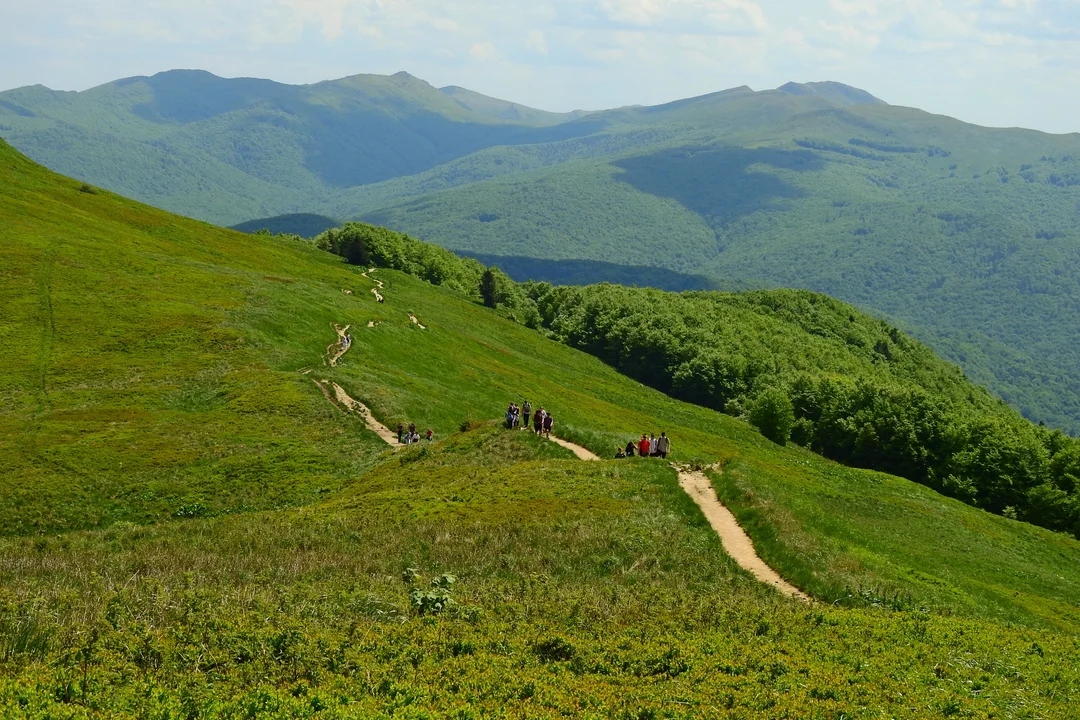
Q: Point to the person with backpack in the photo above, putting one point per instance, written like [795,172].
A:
[526,411]
[549,422]
[663,445]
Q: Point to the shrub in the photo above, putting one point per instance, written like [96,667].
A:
[772,413]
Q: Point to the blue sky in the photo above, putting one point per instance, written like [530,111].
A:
[992,62]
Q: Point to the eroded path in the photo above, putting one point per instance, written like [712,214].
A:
[336,350]
[582,453]
[378,283]
[337,395]
[735,540]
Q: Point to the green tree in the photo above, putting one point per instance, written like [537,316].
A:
[489,288]
[771,412]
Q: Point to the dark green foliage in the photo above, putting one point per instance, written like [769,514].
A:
[843,384]
[362,244]
[489,291]
[771,412]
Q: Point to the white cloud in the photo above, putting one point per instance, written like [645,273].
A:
[536,40]
[485,52]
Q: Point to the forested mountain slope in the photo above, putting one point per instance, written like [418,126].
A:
[228,150]
[192,528]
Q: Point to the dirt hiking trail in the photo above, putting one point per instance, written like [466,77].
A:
[735,540]
[378,283]
[336,350]
[694,482]
[582,453]
[341,399]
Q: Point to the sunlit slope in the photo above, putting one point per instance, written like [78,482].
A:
[588,590]
[153,372]
[132,386]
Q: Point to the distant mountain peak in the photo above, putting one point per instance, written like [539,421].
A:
[838,93]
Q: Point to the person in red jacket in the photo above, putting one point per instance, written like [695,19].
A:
[643,445]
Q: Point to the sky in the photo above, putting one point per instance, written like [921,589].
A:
[991,62]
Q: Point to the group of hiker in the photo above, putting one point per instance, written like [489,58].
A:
[647,446]
[541,422]
[411,435]
[519,416]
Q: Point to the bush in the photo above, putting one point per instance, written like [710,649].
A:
[772,413]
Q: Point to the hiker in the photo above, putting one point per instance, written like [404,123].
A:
[517,413]
[652,445]
[509,416]
[643,446]
[408,438]
[412,428]
[538,421]
[619,453]
[526,411]
[630,449]
[348,341]
[430,435]
[400,432]
[548,423]
[663,445]
[414,438]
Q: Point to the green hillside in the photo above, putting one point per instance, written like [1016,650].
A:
[962,235]
[154,374]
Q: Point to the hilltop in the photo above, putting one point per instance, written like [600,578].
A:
[959,234]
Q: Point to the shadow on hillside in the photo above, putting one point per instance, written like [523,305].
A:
[719,182]
[589,272]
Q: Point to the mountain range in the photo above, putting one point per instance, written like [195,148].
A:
[965,236]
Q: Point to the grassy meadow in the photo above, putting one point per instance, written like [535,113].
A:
[586,590]
[191,530]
